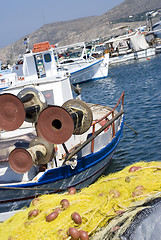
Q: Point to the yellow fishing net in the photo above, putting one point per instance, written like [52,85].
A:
[96,204]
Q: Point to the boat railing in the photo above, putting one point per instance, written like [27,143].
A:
[93,136]
[112,113]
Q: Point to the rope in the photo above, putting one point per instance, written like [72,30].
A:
[131,128]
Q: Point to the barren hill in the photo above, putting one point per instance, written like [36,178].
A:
[89,28]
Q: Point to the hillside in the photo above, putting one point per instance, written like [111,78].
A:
[89,28]
[131,8]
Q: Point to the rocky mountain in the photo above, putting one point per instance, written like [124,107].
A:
[131,8]
[129,13]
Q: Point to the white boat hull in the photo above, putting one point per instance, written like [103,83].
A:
[93,70]
[132,56]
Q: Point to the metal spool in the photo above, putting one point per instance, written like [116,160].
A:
[12,112]
[55,125]
[39,152]
[81,114]
[20,160]
[49,150]
[34,102]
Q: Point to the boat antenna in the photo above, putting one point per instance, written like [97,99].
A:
[26,42]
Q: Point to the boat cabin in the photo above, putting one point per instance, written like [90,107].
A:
[40,63]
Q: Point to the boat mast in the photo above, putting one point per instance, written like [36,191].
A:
[26,42]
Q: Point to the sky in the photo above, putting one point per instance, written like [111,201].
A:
[18,18]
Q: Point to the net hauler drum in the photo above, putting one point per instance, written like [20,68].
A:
[39,152]
[57,124]
[34,102]
[12,112]
[81,115]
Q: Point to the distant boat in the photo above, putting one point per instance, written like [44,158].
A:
[127,47]
[156,29]
[50,141]
[4,69]
[80,63]
[9,73]
[3,79]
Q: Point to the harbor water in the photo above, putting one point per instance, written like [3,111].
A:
[141,82]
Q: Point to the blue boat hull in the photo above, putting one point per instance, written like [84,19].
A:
[88,169]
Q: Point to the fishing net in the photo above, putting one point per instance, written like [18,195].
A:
[107,207]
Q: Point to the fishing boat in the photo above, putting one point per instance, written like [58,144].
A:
[156,30]
[3,79]
[131,46]
[4,69]
[80,63]
[49,140]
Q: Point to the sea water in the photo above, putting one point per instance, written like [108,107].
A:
[141,82]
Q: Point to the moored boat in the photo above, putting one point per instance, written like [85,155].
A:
[80,63]
[131,46]
[156,29]
[49,140]
[3,71]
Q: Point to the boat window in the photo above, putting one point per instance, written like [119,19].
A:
[40,66]
[47,57]
[49,96]
[99,48]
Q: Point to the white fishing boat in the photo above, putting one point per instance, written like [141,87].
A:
[8,73]
[50,141]
[80,63]
[4,69]
[3,79]
[31,65]
[127,47]
[156,30]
